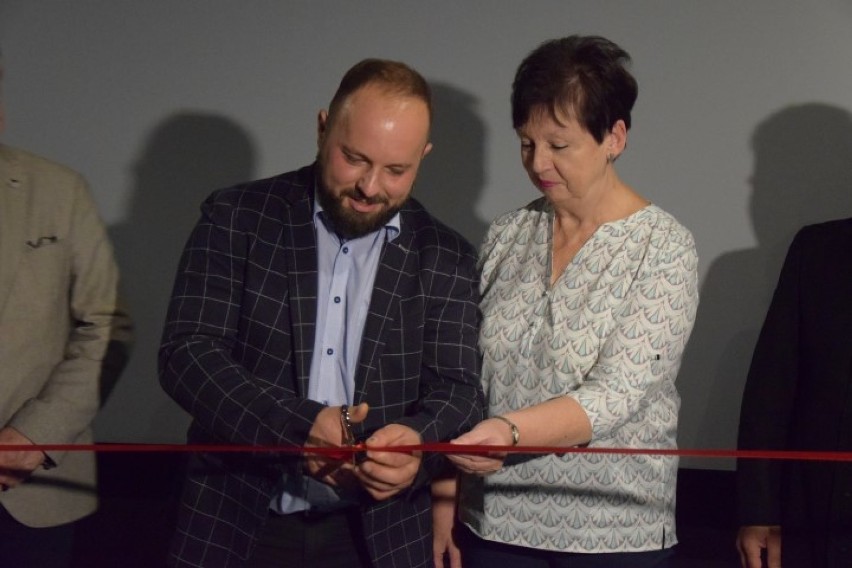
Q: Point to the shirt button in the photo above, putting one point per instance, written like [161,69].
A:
[345,250]
[329,351]
[337,299]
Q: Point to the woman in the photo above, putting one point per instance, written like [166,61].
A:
[589,296]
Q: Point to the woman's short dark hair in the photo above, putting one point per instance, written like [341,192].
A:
[394,77]
[581,76]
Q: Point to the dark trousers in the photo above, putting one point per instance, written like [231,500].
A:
[26,547]
[312,540]
[481,553]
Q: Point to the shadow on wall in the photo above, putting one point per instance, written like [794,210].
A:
[452,177]
[802,175]
[187,156]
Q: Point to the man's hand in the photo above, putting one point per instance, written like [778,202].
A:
[384,474]
[327,431]
[751,540]
[490,432]
[17,465]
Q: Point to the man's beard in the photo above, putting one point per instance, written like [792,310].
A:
[350,224]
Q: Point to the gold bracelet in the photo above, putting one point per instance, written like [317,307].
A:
[516,434]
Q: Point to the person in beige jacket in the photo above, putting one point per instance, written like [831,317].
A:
[63,340]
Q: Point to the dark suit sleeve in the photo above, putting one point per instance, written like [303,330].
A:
[451,400]
[769,396]
[208,312]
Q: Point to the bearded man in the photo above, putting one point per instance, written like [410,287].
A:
[324,307]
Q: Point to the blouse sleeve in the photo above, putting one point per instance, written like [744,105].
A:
[640,357]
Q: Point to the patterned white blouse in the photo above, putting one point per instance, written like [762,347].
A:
[610,333]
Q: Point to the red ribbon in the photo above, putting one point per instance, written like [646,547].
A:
[443,448]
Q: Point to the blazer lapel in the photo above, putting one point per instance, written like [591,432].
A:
[13,206]
[302,282]
[395,279]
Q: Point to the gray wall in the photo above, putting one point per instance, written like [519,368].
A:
[742,130]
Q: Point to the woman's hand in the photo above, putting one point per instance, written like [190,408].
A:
[752,540]
[443,520]
[490,432]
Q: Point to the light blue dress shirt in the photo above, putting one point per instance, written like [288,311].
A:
[347,270]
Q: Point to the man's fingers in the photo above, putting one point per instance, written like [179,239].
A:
[358,414]
[378,490]
[392,459]
[326,469]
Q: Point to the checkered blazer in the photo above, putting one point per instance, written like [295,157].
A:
[236,354]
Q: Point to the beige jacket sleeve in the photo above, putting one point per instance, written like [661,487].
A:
[64,337]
